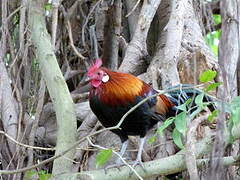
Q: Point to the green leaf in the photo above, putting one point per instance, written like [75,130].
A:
[103,156]
[177,138]
[235,110]
[217,18]
[207,76]
[235,116]
[199,99]
[181,123]
[166,123]
[183,107]
[30,173]
[48,6]
[213,115]
[214,49]
[152,139]
[212,86]
[188,101]
[44,176]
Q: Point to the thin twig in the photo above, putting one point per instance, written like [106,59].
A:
[133,9]
[22,26]
[14,12]
[100,147]
[86,21]
[71,41]
[39,108]
[55,5]
[25,145]
[72,8]
[94,41]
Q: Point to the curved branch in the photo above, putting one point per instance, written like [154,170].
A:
[167,57]
[137,48]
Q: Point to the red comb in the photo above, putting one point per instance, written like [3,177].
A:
[94,67]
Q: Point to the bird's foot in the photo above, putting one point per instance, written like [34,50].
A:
[138,162]
[117,165]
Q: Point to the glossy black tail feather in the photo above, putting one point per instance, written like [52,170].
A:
[181,93]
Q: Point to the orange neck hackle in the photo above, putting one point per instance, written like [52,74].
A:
[121,88]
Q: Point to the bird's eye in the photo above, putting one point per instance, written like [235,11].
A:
[99,73]
[105,78]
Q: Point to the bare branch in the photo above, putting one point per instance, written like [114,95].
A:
[55,5]
[87,19]
[9,113]
[190,156]
[94,41]
[36,120]
[56,85]
[167,56]
[133,9]
[112,31]
[137,48]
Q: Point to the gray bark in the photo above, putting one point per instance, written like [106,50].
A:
[56,86]
[137,48]
[112,31]
[229,46]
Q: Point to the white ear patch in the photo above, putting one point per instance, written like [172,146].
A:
[105,78]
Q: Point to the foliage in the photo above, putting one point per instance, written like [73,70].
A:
[213,115]
[48,6]
[187,113]
[213,37]
[42,175]
[207,76]
[233,109]
[103,156]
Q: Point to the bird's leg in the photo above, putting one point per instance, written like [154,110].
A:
[118,162]
[139,155]
[122,151]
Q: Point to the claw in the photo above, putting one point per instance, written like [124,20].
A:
[138,162]
[113,166]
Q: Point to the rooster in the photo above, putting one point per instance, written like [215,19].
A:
[113,94]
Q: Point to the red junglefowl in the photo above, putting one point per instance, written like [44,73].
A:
[113,94]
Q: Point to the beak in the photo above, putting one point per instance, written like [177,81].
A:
[87,80]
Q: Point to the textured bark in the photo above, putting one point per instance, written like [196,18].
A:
[9,107]
[112,31]
[194,55]
[137,48]
[168,57]
[133,17]
[229,56]
[229,46]
[56,86]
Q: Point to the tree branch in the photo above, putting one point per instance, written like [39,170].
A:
[112,31]
[137,48]
[167,56]
[56,85]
